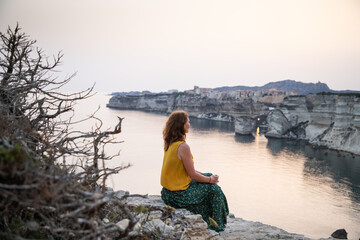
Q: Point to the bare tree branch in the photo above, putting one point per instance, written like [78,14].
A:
[38,181]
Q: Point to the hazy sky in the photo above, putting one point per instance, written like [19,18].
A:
[157,45]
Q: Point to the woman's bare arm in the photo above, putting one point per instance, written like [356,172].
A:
[184,155]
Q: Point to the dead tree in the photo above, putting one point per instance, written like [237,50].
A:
[30,98]
[41,194]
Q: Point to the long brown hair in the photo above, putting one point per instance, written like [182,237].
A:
[174,129]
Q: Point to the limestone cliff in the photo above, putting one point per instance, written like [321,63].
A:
[218,106]
[328,120]
[323,119]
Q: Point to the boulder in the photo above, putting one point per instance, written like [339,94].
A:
[244,125]
[123,224]
[278,124]
[340,234]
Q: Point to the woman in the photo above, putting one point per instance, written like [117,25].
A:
[183,186]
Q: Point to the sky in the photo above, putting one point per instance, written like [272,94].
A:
[158,45]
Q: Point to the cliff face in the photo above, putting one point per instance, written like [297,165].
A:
[329,120]
[158,103]
[221,107]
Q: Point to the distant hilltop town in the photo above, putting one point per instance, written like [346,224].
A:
[279,88]
[265,95]
[286,109]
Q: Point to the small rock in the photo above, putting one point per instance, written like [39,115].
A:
[137,226]
[155,214]
[181,212]
[199,226]
[48,228]
[30,209]
[168,221]
[32,226]
[123,224]
[105,220]
[194,218]
[49,208]
[121,193]
[340,234]
[155,224]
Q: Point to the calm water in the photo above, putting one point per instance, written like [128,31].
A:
[284,184]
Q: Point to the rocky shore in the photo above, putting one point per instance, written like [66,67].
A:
[182,224]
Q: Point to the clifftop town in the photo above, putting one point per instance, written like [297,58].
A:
[205,103]
[284,85]
[328,119]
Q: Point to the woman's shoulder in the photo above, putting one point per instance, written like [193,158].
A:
[183,145]
[176,144]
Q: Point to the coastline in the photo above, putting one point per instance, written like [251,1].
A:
[323,119]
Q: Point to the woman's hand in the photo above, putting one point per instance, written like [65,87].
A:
[214,179]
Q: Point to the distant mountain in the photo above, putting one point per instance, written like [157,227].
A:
[285,85]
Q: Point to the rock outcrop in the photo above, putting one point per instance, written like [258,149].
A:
[325,120]
[245,125]
[182,224]
[278,124]
[340,234]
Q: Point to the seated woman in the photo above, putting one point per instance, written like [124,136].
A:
[183,186]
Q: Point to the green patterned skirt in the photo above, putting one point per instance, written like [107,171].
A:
[205,199]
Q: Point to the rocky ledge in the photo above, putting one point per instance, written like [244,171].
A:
[173,223]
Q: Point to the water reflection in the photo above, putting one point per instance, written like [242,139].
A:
[206,125]
[244,138]
[343,168]
[276,146]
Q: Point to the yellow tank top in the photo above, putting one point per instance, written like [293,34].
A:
[173,174]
